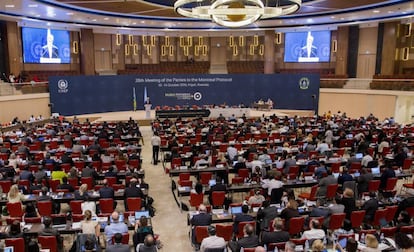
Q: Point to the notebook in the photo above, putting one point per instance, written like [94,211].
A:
[235,210]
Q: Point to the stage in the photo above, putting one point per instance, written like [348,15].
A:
[139,115]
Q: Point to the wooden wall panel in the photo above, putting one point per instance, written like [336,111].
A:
[14,48]
[87,52]
[269,56]
[388,48]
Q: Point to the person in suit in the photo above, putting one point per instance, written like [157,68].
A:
[65,185]
[201,219]
[323,184]
[50,50]
[250,240]
[370,206]
[363,180]
[133,191]
[241,217]
[309,50]
[265,214]
[278,235]
[118,246]
[107,192]
[48,230]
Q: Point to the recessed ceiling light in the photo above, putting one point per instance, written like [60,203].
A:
[106,18]
[376,11]
[32,5]
[94,20]
[9,6]
[333,17]
[134,23]
[69,13]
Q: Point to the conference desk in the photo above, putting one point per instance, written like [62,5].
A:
[196,172]
[67,197]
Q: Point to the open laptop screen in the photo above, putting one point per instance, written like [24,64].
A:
[212,182]
[138,214]
[358,155]
[375,170]
[236,210]
[8,249]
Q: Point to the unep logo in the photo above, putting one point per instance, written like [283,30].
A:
[304,83]
[62,86]
[197,96]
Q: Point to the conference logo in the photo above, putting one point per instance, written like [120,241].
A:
[197,96]
[304,83]
[62,86]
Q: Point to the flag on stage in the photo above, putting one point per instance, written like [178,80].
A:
[135,99]
[145,95]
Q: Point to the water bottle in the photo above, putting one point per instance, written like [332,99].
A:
[362,238]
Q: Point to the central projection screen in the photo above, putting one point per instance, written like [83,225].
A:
[74,95]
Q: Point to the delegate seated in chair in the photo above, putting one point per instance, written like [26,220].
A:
[86,242]
[213,241]
[148,245]
[142,229]
[118,246]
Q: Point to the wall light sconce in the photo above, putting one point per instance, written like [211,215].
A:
[130,40]
[334,45]
[75,47]
[135,47]
[127,49]
[118,39]
[405,53]
[278,38]
[242,41]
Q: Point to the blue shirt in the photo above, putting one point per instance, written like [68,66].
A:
[113,228]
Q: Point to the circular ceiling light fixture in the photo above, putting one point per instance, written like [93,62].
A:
[234,13]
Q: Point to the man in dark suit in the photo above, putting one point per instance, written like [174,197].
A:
[133,191]
[118,246]
[107,192]
[278,235]
[250,240]
[370,206]
[201,219]
[241,217]
[89,171]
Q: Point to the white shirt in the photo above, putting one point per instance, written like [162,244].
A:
[366,159]
[313,234]
[232,152]
[212,242]
[272,184]
[155,141]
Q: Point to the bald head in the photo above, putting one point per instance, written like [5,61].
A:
[202,208]
[115,216]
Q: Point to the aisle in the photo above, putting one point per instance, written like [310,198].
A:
[169,222]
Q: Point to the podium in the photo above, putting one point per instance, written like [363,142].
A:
[147,111]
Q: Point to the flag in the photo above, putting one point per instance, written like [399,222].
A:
[145,94]
[134,99]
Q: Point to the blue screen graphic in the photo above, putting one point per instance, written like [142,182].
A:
[45,45]
[312,46]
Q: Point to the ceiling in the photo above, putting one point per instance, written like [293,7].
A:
[158,16]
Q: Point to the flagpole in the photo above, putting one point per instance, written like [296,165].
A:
[135,99]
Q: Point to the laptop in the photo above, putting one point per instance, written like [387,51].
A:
[212,182]
[359,155]
[59,221]
[357,174]
[268,161]
[8,249]
[139,214]
[336,175]
[48,173]
[236,210]
[375,170]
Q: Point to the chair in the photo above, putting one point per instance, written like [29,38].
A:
[125,238]
[357,217]
[74,182]
[389,231]
[276,195]
[218,199]
[380,215]
[5,185]
[134,163]
[310,196]
[134,204]
[48,242]
[247,249]
[336,221]
[120,164]
[17,243]
[410,211]
[225,231]
[76,206]
[111,181]
[241,226]
[237,180]
[215,249]
[407,186]
[33,220]
[88,181]
[331,191]
[296,225]
[205,177]
[373,185]
[335,167]
[106,206]
[391,211]
[54,184]
[407,164]
[391,183]
[278,245]
[407,229]
[244,173]
[183,177]
[45,208]
[186,183]
[201,232]
[15,209]
[196,199]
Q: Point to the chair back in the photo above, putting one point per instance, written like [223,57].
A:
[296,225]
[53,183]
[373,185]
[17,243]
[201,233]
[391,183]
[134,204]
[15,209]
[331,191]
[205,177]
[218,198]
[389,231]
[241,226]
[106,206]
[272,246]
[76,206]
[244,173]
[391,211]
[224,231]
[48,242]
[5,185]
[380,216]
[336,221]
[410,211]
[125,238]
[357,217]
[407,229]
[45,208]
[196,199]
